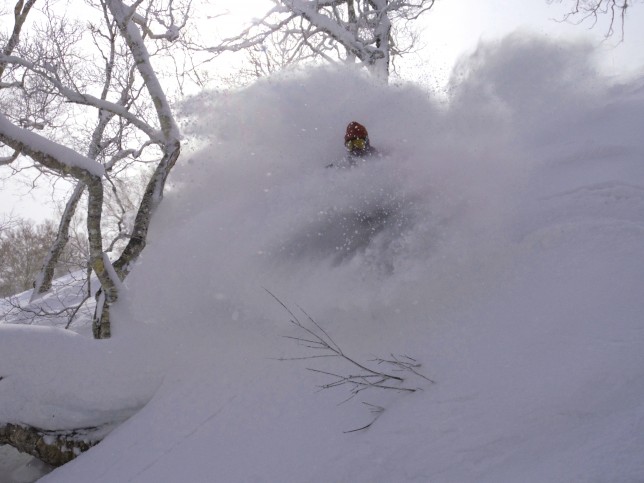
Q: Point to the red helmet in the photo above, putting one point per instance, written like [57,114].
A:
[355,130]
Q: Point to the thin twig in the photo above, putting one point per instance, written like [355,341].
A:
[317,338]
[378,410]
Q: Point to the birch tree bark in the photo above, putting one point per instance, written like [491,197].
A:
[127,128]
[52,448]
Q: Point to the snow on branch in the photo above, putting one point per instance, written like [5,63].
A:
[52,155]
[365,32]
[335,30]
[9,159]
[136,45]
[47,74]
[172,28]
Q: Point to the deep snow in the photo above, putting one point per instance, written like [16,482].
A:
[506,255]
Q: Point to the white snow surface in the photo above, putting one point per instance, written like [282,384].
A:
[503,249]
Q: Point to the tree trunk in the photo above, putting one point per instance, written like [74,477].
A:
[51,447]
[45,278]
[379,66]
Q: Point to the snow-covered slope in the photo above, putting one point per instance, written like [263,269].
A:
[503,249]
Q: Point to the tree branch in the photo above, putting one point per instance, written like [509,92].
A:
[10,159]
[84,99]
[51,155]
[366,378]
[21,11]
[593,9]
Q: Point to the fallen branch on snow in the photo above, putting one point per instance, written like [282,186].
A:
[396,370]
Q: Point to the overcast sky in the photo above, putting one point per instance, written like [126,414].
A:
[452,28]
[457,26]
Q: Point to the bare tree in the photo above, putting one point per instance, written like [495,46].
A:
[21,250]
[6,224]
[54,80]
[124,121]
[368,32]
[593,10]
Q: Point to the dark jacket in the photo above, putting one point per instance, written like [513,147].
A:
[355,157]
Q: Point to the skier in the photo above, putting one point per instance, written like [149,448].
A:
[356,140]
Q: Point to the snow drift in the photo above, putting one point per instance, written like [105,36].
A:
[498,240]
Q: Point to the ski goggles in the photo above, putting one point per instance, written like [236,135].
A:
[357,143]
